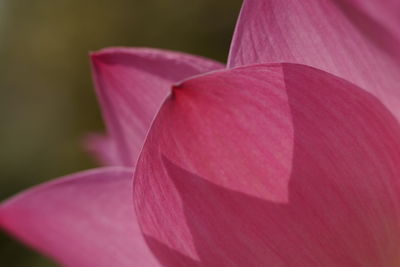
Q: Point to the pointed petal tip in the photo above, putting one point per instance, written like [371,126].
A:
[93,55]
[107,51]
[98,55]
[132,83]
[85,212]
[62,180]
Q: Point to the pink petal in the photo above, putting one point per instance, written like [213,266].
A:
[103,149]
[132,83]
[353,39]
[384,12]
[271,165]
[86,219]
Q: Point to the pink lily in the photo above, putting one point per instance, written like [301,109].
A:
[288,157]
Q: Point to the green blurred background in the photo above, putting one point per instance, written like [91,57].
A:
[47,102]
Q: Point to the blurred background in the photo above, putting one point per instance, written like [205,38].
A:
[47,102]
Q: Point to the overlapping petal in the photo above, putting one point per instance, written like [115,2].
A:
[131,84]
[355,40]
[271,165]
[86,219]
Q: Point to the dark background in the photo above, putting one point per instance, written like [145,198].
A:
[47,102]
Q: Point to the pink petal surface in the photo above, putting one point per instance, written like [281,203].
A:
[386,12]
[271,165]
[131,84]
[354,39]
[103,148]
[86,219]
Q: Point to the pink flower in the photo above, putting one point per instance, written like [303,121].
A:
[280,159]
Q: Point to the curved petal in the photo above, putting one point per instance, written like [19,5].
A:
[343,37]
[132,83]
[86,219]
[271,165]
